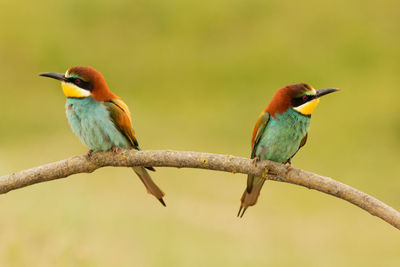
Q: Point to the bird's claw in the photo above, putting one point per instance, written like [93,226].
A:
[256,160]
[116,149]
[89,154]
[290,164]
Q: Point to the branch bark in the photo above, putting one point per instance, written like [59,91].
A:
[185,159]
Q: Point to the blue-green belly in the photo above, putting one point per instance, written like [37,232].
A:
[282,136]
[90,121]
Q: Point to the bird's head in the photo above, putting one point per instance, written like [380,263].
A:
[301,97]
[81,82]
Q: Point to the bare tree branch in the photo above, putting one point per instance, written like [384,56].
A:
[184,159]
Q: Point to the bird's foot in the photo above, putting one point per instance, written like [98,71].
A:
[290,164]
[89,154]
[116,149]
[256,160]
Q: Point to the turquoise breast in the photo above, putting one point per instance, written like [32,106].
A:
[282,136]
[90,121]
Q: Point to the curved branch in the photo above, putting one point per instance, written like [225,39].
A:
[185,159]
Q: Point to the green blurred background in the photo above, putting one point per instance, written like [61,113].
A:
[196,75]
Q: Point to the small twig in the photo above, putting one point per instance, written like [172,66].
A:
[185,159]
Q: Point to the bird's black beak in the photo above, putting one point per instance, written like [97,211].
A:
[325,91]
[54,75]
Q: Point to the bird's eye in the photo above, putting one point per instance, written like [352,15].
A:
[305,98]
[77,81]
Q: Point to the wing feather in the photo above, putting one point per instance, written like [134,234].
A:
[258,131]
[121,116]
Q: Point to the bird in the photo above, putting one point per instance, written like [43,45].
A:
[100,119]
[280,131]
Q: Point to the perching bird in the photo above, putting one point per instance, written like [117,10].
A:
[99,118]
[280,131]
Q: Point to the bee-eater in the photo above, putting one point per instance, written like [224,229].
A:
[280,131]
[100,119]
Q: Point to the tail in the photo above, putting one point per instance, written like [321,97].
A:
[250,195]
[151,187]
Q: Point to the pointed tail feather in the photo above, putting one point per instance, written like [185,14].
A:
[151,187]
[250,199]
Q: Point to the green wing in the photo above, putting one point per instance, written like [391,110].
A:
[121,117]
[258,131]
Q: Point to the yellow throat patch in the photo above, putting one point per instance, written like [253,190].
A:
[71,90]
[308,107]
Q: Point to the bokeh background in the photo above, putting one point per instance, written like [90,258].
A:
[196,75]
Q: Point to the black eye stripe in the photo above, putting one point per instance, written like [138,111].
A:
[80,83]
[298,101]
